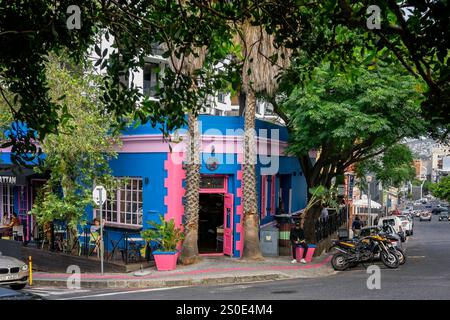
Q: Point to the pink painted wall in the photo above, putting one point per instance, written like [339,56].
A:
[175,191]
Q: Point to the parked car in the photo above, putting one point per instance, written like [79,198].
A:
[9,294]
[406,225]
[396,223]
[443,216]
[425,216]
[13,272]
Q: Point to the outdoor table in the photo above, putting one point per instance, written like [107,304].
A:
[3,228]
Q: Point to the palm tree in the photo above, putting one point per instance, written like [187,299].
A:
[187,65]
[261,67]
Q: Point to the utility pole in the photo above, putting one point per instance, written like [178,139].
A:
[369,213]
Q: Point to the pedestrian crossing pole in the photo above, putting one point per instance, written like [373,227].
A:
[101,233]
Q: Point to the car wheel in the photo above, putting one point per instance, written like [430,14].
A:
[18,286]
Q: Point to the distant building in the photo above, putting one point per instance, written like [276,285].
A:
[440,162]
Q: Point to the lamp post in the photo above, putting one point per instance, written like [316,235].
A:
[423,181]
[369,209]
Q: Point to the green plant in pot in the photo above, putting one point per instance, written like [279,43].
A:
[167,236]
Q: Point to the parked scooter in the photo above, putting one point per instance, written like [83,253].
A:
[364,250]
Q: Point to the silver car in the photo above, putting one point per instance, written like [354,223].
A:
[13,272]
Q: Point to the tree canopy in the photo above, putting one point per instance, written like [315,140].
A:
[316,31]
[350,116]
[393,168]
[441,189]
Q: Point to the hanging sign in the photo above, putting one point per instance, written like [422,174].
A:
[212,164]
[8,180]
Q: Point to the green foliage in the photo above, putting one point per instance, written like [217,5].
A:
[441,189]
[350,116]
[393,168]
[321,195]
[165,233]
[318,31]
[78,155]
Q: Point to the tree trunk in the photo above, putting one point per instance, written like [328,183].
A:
[251,219]
[189,251]
[309,223]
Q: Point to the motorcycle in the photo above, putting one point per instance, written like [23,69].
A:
[364,250]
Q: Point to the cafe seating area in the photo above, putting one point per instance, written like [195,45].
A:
[121,245]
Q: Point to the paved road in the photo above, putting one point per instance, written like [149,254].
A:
[426,275]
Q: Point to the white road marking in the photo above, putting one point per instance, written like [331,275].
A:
[52,292]
[123,292]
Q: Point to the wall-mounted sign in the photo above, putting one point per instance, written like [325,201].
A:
[8,180]
[212,164]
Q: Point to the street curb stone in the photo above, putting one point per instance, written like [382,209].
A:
[162,283]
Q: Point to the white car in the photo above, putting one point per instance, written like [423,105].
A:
[396,223]
[406,225]
[13,272]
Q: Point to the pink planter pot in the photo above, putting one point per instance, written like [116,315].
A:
[309,253]
[165,261]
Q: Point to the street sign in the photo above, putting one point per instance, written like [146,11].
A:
[341,190]
[351,182]
[99,195]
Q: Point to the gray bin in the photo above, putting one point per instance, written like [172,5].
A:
[268,239]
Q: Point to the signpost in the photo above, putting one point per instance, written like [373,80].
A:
[99,197]
[350,182]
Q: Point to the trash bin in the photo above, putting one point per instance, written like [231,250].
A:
[284,242]
[269,241]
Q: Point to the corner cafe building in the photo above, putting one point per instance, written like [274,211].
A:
[154,182]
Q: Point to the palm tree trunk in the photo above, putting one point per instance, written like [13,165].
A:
[189,251]
[251,218]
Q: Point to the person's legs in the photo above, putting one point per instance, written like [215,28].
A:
[305,249]
[294,250]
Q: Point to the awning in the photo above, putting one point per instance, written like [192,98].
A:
[364,203]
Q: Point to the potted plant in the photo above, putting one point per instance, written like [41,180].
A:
[168,236]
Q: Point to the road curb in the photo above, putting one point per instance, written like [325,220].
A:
[162,283]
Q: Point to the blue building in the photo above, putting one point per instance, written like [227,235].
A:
[154,181]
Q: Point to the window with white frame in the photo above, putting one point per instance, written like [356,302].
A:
[124,205]
[151,78]
[7,199]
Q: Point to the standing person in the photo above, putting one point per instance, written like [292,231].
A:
[324,213]
[375,222]
[298,239]
[356,226]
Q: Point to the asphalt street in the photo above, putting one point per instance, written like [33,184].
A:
[426,275]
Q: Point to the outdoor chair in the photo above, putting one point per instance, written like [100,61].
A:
[18,232]
[115,247]
[134,251]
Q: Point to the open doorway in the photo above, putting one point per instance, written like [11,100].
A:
[210,228]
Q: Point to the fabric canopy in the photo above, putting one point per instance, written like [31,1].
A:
[365,203]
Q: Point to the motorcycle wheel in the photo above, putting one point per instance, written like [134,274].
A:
[390,260]
[401,255]
[339,262]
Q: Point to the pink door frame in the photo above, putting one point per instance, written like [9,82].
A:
[223,190]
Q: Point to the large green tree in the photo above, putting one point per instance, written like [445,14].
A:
[392,168]
[349,117]
[78,155]
[441,189]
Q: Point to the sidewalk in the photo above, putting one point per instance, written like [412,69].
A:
[211,270]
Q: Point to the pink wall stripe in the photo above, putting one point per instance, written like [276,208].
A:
[222,144]
[239,211]
[175,191]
